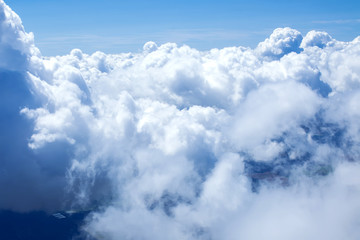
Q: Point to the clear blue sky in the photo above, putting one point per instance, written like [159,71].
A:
[116,26]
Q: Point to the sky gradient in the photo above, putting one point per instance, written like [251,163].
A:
[122,26]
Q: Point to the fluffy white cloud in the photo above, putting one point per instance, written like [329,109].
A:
[176,143]
[318,39]
[282,41]
[16,46]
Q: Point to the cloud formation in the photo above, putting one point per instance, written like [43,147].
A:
[175,143]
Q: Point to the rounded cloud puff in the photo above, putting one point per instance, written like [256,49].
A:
[77,53]
[315,38]
[282,41]
[150,47]
[176,143]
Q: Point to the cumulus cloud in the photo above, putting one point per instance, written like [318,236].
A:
[315,38]
[282,41]
[176,143]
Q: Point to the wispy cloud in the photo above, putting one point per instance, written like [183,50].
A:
[179,36]
[338,21]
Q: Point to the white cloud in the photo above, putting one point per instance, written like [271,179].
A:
[282,41]
[315,38]
[176,143]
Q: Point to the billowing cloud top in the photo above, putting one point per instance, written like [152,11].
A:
[176,143]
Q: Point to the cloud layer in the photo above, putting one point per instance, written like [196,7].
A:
[175,143]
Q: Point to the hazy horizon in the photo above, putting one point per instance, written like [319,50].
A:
[124,26]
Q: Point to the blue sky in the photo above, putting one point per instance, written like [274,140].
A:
[121,26]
